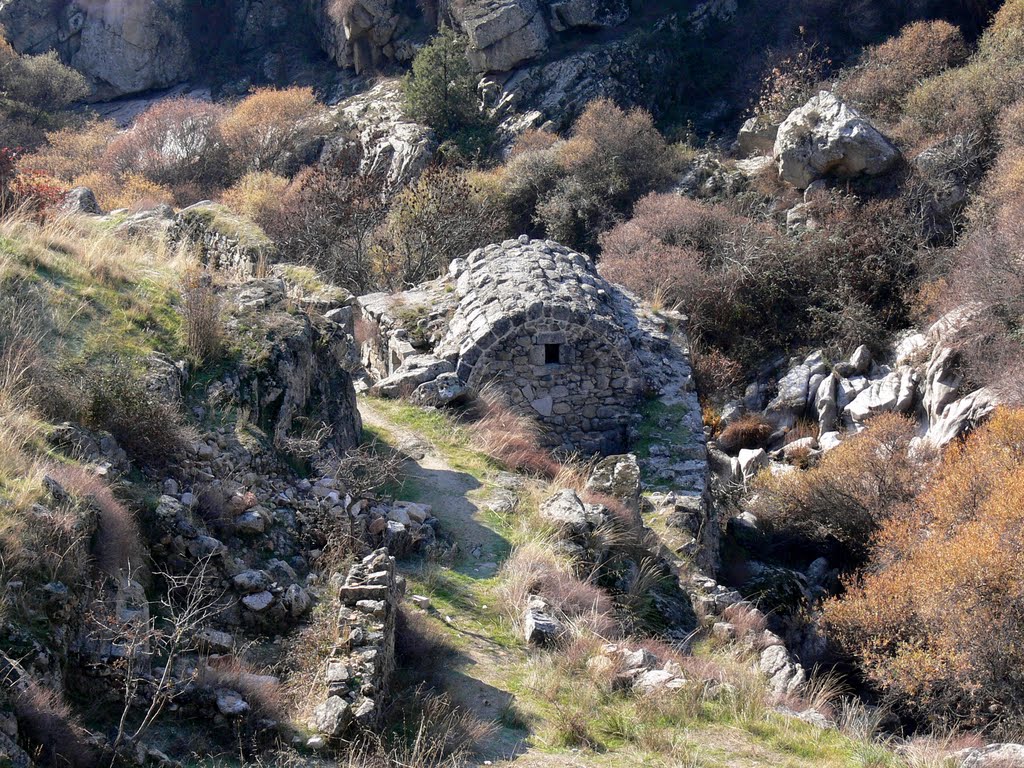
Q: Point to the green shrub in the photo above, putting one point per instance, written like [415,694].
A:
[440,92]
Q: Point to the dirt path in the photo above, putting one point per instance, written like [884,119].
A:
[456,498]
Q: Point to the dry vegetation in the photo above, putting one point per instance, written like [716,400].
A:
[935,619]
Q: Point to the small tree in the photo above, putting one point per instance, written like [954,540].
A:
[440,92]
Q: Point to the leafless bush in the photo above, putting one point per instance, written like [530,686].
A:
[364,471]
[117,400]
[201,309]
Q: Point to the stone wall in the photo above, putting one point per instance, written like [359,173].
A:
[358,674]
[222,240]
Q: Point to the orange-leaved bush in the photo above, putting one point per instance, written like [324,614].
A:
[270,124]
[844,500]
[937,619]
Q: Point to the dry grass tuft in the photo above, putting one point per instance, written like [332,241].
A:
[118,546]
[533,569]
[54,735]
[264,693]
[510,437]
[748,431]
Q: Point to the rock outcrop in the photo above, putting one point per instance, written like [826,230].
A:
[391,146]
[827,137]
[121,47]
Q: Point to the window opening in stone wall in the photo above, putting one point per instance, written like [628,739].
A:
[552,354]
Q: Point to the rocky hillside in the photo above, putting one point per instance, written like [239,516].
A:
[526,382]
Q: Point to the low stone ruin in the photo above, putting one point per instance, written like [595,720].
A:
[535,321]
[221,239]
[358,674]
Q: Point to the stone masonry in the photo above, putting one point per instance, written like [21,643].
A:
[536,321]
[359,671]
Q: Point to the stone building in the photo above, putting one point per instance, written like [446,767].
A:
[533,319]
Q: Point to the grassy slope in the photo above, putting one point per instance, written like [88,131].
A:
[538,695]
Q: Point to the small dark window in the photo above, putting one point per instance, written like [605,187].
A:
[552,354]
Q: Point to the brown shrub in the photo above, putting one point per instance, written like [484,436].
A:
[330,220]
[966,99]
[988,276]
[851,492]
[612,158]
[748,431]
[531,141]
[717,377]
[662,274]
[259,195]
[71,152]
[116,399]
[269,125]
[1004,38]
[936,618]
[201,311]
[791,80]
[174,142]
[888,72]
[431,222]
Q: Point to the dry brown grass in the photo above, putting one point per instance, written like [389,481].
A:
[54,735]
[264,693]
[510,437]
[748,431]
[201,309]
[534,569]
[118,546]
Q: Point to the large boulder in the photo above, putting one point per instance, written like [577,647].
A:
[757,137]
[826,137]
[993,756]
[502,33]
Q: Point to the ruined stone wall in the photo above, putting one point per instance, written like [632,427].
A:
[221,240]
[358,674]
